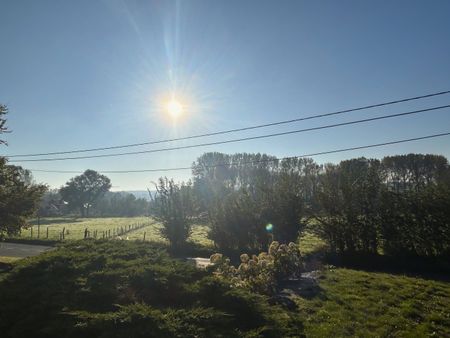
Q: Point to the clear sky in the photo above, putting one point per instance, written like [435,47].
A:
[83,74]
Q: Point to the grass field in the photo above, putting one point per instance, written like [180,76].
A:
[198,234]
[75,227]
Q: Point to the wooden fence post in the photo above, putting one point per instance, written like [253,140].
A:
[47,232]
[39,226]
[144,236]
[31,231]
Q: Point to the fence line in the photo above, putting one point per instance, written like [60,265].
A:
[112,233]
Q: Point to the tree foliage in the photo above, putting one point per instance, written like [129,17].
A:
[3,127]
[121,204]
[243,193]
[172,206]
[19,198]
[400,205]
[349,198]
[111,204]
[83,191]
[19,195]
[397,204]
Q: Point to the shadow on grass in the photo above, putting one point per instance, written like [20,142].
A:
[5,267]
[423,267]
[191,249]
[306,287]
[32,241]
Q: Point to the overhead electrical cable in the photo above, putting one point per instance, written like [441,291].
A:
[339,112]
[255,162]
[238,139]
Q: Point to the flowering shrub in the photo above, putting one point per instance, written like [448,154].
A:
[263,272]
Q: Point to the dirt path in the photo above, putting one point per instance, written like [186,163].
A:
[21,250]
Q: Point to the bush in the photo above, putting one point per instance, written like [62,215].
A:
[261,273]
[125,289]
[236,223]
[172,207]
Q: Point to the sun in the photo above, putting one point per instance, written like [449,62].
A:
[174,108]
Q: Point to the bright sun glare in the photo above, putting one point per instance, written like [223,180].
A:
[174,108]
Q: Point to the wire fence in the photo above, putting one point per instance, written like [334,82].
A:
[49,232]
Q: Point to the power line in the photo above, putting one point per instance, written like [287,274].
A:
[238,129]
[237,140]
[259,161]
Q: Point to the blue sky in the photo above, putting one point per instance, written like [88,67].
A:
[83,74]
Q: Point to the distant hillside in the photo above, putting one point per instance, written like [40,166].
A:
[140,193]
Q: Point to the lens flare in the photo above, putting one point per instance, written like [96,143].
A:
[269,227]
[174,108]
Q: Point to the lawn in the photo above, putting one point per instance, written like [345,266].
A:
[368,304]
[343,302]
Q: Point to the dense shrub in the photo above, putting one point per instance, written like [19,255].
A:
[123,289]
[416,222]
[400,205]
[236,222]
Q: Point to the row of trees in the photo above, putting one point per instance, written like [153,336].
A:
[108,204]
[400,204]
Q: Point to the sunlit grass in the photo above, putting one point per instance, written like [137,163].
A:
[77,226]
[368,304]
[153,234]
[7,259]
[309,243]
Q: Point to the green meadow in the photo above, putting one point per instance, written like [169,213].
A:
[74,228]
